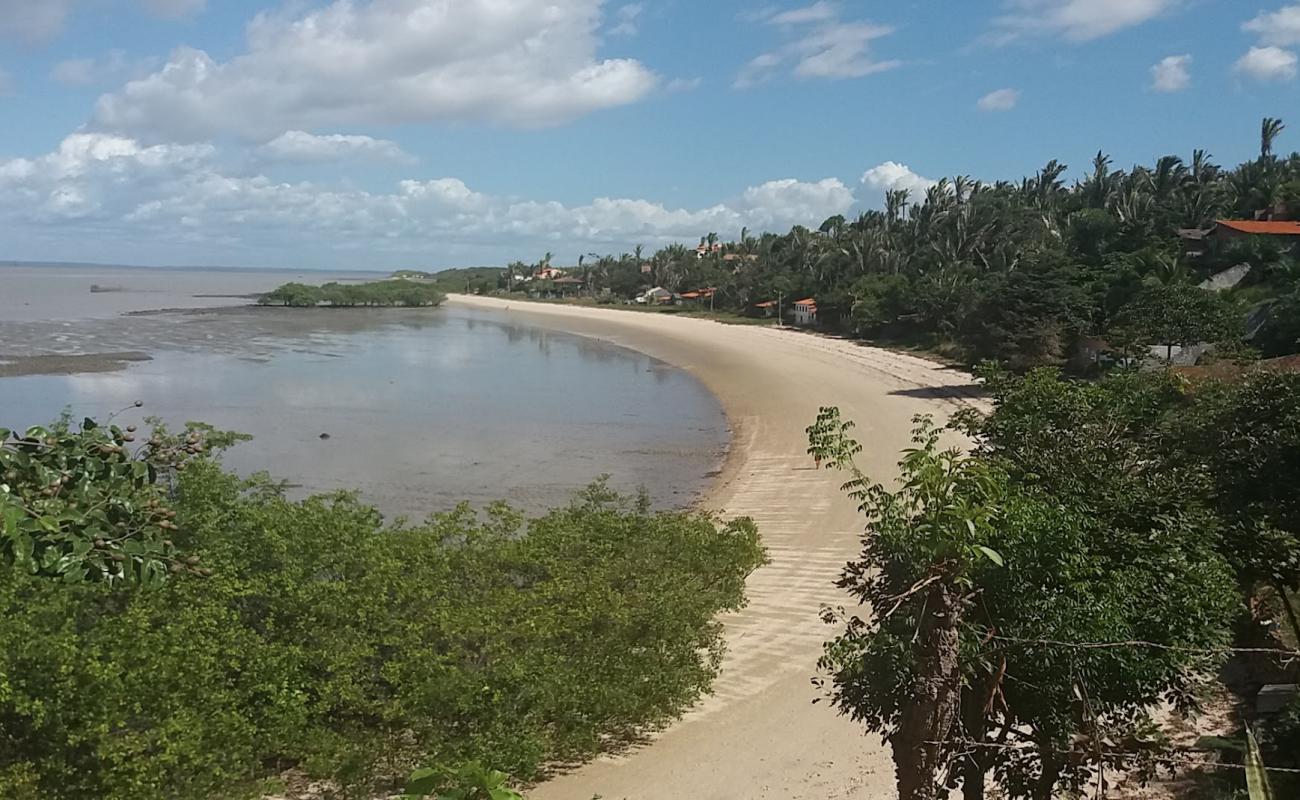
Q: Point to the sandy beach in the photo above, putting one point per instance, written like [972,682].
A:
[759,735]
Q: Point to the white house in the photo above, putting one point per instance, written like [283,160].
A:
[805,313]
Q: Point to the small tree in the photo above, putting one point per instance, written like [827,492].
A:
[979,577]
[1177,314]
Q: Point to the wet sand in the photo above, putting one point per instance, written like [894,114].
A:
[759,735]
[13,366]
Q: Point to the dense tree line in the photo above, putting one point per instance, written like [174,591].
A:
[170,630]
[1019,272]
[1029,605]
[399,292]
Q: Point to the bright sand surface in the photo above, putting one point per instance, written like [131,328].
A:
[759,735]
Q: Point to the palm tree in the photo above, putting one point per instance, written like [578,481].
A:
[1269,130]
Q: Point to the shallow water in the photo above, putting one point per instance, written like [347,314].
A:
[423,408]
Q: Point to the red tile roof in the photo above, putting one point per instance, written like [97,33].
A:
[811,301]
[768,304]
[1256,228]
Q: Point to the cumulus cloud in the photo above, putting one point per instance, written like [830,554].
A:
[819,45]
[1279,28]
[1076,20]
[152,196]
[892,176]
[1172,74]
[999,100]
[36,21]
[1268,64]
[303,147]
[526,63]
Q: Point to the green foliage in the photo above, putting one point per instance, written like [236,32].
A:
[87,503]
[327,641]
[472,781]
[398,292]
[1016,272]
[1245,436]
[1054,532]
[1257,782]
[1176,314]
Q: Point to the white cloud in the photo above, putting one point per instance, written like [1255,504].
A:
[1076,20]
[1172,74]
[627,19]
[149,198]
[1268,64]
[891,176]
[821,11]
[1280,28]
[111,68]
[999,100]
[37,21]
[33,20]
[300,146]
[821,45]
[526,63]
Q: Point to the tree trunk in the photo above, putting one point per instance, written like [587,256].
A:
[1047,780]
[977,762]
[928,713]
[1286,604]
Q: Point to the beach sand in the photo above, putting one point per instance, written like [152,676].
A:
[759,735]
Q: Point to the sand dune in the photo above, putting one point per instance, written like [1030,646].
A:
[759,735]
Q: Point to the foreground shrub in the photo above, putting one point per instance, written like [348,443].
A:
[326,641]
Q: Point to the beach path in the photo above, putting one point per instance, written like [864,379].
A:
[759,735]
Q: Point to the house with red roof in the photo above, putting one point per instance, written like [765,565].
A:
[1229,229]
[805,312]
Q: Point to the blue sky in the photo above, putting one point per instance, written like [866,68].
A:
[428,133]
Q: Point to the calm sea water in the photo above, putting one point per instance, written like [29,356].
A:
[422,408]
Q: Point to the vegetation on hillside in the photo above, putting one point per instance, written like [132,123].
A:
[1018,272]
[315,637]
[406,293]
[1031,603]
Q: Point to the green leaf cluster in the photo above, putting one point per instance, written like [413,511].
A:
[326,641]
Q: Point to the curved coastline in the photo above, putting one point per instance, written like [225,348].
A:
[759,735]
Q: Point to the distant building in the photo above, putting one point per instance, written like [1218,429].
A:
[567,285]
[805,313]
[768,308]
[1229,229]
[548,274]
[657,296]
[705,249]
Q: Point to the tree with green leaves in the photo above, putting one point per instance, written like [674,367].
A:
[1177,315]
[1269,130]
[985,587]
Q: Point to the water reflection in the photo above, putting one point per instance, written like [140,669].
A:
[424,409]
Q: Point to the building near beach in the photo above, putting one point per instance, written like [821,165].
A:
[805,312]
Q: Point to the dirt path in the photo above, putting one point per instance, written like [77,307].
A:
[759,735]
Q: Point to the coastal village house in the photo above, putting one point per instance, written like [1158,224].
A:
[805,313]
[1197,241]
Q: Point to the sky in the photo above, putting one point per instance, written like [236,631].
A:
[383,134]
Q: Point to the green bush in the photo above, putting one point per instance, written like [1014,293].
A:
[400,292]
[326,641]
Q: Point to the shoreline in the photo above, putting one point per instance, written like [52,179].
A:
[758,735]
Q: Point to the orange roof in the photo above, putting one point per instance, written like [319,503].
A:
[811,301]
[1262,228]
[689,295]
[768,304]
